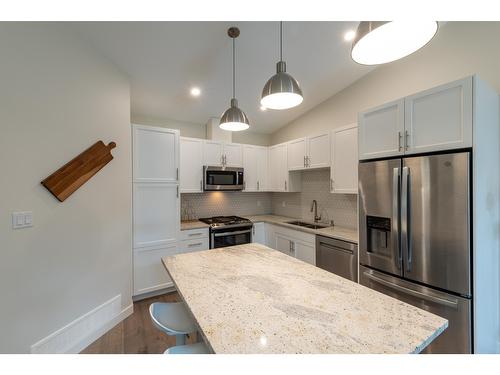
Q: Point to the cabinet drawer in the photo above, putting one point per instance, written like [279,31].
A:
[197,244]
[194,234]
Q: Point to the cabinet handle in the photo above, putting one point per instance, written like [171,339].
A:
[201,185]
[222,159]
[331,184]
[285,185]
[304,161]
[258,185]
[244,185]
[177,191]
[407,135]
[308,161]
[177,174]
[195,244]
[195,234]
[399,141]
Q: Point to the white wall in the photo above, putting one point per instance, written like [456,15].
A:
[199,130]
[57,97]
[459,49]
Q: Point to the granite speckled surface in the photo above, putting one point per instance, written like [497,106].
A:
[340,233]
[193,224]
[252,299]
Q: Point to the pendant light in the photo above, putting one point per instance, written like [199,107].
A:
[380,42]
[281,91]
[234,119]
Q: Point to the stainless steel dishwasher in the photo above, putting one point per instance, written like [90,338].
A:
[338,257]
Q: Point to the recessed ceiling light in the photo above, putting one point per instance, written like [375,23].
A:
[262,108]
[349,35]
[195,91]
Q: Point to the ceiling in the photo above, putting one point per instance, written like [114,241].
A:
[165,59]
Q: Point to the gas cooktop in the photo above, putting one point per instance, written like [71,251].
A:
[225,221]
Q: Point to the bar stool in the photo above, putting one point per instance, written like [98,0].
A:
[198,348]
[173,319]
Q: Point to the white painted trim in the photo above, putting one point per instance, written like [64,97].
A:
[81,332]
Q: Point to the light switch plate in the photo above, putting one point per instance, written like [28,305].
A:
[22,219]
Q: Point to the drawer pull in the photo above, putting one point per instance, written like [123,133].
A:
[195,244]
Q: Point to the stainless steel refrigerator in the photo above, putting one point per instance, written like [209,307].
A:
[415,238]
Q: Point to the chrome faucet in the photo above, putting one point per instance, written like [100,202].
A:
[314,208]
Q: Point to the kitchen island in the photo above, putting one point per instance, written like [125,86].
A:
[253,299]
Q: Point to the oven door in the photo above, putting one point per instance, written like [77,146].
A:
[230,237]
[222,178]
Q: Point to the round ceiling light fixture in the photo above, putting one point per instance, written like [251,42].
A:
[380,42]
[234,119]
[281,91]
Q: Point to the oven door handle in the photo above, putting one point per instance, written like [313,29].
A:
[231,233]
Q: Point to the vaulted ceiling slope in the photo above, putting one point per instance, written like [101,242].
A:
[165,59]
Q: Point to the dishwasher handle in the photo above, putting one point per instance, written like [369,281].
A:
[336,248]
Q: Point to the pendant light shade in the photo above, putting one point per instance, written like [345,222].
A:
[379,42]
[234,119]
[281,91]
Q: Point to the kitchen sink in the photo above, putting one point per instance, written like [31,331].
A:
[307,225]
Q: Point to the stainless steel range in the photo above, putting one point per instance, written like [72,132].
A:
[228,231]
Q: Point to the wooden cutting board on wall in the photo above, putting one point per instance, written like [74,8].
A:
[67,179]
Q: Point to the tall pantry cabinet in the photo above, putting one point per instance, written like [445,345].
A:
[156,204]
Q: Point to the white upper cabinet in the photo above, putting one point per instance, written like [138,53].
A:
[297,152]
[318,155]
[233,155]
[255,164]
[432,120]
[191,165]
[309,152]
[218,153]
[344,169]
[278,167]
[439,118]
[155,154]
[381,131]
[213,153]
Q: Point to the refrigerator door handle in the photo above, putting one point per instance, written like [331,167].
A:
[395,216]
[453,303]
[405,216]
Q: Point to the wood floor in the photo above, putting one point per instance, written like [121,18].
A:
[136,334]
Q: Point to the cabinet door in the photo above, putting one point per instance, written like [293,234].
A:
[155,154]
[278,167]
[296,151]
[344,169]
[439,118]
[284,244]
[381,131]
[191,165]
[212,153]
[305,251]
[149,272]
[233,154]
[250,167]
[262,169]
[318,151]
[156,214]
[259,233]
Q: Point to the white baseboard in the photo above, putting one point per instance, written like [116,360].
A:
[77,335]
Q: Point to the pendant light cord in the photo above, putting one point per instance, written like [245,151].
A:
[281,40]
[234,73]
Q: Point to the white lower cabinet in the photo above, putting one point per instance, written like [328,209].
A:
[259,233]
[149,272]
[193,240]
[292,242]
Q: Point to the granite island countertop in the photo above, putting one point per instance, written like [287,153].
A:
[252,299]
[337,232]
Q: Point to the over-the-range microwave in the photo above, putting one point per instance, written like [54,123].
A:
[222,178]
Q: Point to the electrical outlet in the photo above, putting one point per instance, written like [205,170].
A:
[22,219]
